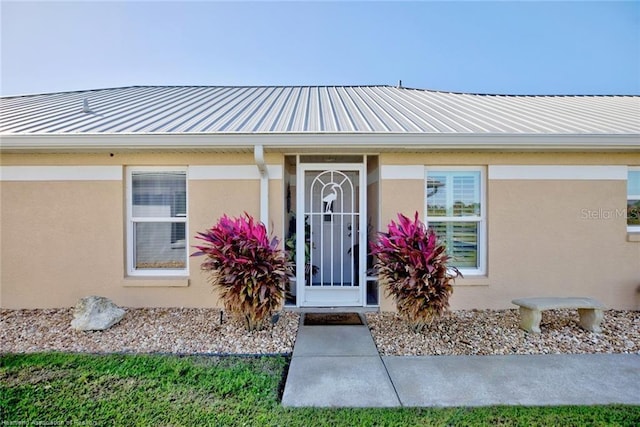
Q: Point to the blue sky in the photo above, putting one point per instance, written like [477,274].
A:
[577,47]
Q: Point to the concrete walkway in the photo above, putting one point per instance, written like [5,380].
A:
[339,366]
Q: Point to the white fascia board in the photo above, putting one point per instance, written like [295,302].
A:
[303,141]
[557,172]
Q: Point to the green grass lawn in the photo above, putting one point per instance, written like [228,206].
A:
[156,390]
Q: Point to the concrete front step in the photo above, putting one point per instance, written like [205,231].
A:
[337,366]
[338,381]
[334,341]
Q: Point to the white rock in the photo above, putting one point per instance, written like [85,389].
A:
[95,313]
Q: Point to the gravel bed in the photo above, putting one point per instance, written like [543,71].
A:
[144,330]
[174,330]
[483,332]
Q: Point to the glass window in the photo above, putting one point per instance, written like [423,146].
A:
[455,206]
[157,225]
[633,199]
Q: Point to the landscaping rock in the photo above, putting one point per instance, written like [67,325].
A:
[145,330]
[496,332]
[199,331]
[96,313]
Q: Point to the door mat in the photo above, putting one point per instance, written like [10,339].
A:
[329,319]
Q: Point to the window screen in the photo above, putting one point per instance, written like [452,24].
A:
[158,215]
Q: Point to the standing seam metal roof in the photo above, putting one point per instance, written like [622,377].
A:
[313,109]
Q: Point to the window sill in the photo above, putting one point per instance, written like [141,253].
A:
[472,281]
[155,282]
[633,236]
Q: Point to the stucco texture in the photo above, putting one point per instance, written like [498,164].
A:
[64,240]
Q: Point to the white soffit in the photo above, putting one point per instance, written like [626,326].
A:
[60,173]
[557,172]
[232,172]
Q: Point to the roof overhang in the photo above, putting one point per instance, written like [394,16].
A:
[317,142]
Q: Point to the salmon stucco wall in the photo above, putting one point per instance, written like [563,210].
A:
[65,239]
[561,238]
[60,241]
[554,236]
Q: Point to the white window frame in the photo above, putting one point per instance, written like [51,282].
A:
[131,221]
[631,228]
[482,219]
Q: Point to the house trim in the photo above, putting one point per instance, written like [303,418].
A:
[60,173]
[482,245]
[402,172]
[232,172]
[557,172]
[131,221]
[311,141]
[331,296]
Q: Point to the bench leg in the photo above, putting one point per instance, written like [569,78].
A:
[590,319]
[530,320]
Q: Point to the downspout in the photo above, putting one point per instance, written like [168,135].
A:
[258,155]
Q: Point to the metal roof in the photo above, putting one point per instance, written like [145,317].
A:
[206,110]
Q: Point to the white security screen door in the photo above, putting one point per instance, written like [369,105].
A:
[329,246]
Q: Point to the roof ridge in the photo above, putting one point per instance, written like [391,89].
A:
[24,95]
[187,86]
[516,95]
[509,95]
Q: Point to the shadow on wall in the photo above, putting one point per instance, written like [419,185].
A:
[638,298]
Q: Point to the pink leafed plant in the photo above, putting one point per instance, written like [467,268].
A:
[248,269]
[412,264]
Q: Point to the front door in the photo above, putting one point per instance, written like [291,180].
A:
[329,246]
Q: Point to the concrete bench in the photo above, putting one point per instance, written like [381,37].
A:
[531,309]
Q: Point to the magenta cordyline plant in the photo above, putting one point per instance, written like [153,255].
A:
[248,270]
[412,264]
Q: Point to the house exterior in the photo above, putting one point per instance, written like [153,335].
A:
[102,191]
